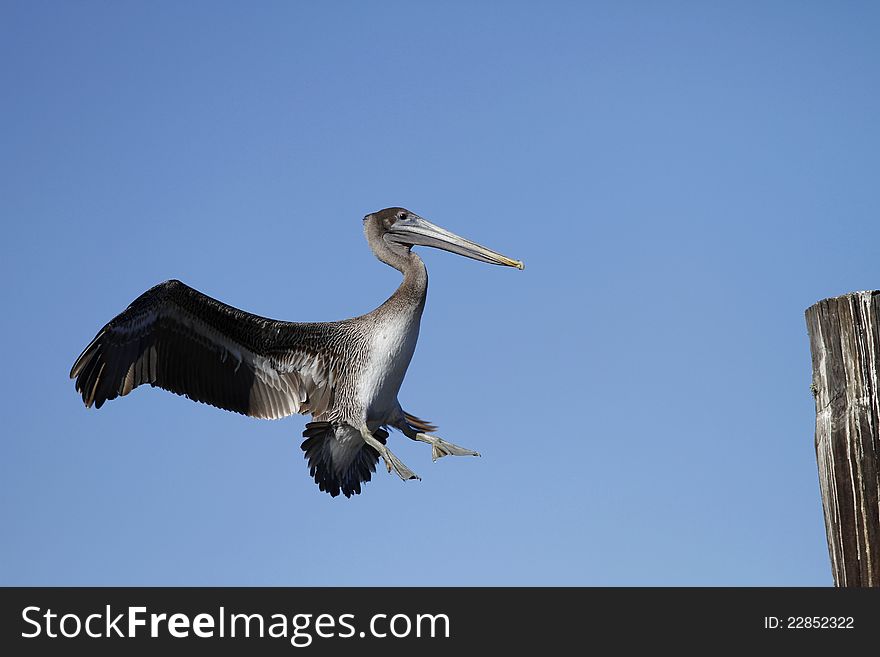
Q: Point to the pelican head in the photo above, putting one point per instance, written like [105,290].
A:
[401,228]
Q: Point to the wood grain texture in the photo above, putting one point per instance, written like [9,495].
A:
[845,345]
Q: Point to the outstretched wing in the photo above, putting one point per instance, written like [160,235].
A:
[179,339]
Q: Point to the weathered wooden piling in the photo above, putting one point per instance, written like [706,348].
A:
[845,345]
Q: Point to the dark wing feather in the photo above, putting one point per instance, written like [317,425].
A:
[179,339]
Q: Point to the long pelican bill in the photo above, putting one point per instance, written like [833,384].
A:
[416,231]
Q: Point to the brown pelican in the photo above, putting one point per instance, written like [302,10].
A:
[346,374]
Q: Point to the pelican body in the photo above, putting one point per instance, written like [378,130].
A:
[346,374]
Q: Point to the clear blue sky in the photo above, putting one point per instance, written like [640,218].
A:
[682,180]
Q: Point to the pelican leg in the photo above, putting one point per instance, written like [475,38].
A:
[441,448]
[391,461]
